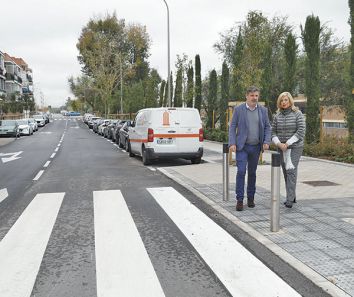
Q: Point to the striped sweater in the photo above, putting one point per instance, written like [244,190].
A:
[289,126]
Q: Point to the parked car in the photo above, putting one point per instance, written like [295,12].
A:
[166,133]
[73,113]
[91,121]
[24,126]
[33,123]
[9,128]
[41,121]
[103,126]
[117,129]
[96,124]
[108,132]
[123,135]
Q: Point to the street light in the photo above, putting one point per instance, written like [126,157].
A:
[168,56]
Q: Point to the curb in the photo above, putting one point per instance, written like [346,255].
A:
[312,275]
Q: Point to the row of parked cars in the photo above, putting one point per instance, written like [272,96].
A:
[155,133]
[15,128]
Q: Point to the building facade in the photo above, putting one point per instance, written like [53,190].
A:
[2,75]
[13,83]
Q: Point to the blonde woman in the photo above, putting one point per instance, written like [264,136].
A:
[288,132]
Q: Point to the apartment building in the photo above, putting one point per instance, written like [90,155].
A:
[13,83]
[26,76]
[2,75]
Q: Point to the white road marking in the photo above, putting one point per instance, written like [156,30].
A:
[46,164]
[3,194]
[241,272]
[53,155]
[39,174]
[23,247]
[209,160]
[151,168]
[56,149]
[13,156]
[123,267]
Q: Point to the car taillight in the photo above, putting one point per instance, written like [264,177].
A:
[201,135]
[150,135]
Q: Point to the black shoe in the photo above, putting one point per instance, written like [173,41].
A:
[294,201]
[250,203]
[288,204]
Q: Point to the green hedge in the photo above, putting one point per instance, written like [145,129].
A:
[335,149]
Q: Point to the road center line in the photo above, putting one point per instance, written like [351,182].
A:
[117,236]
[53,155]
[238,270]
[39,174]
[56,149]
[3,194]
[46,164]
[23,247]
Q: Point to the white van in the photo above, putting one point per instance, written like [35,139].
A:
[166,133]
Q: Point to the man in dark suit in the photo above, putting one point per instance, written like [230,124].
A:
[249,134]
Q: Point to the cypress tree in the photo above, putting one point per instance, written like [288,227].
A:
[266,82]
[198,84]
[177,100]
[290,51]
[162,98]
[236,87]
[350,103]
[310,37]
[212,97]
[225,96]
[190,86]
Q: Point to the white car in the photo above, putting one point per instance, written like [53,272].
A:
[33,123]
[25,127]
[40,120]
[166,133]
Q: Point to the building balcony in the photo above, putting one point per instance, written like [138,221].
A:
[29,78]
[9,76]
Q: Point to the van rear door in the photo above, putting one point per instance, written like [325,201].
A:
[189,126]
[165,123]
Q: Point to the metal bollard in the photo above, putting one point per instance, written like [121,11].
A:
[225,172]
[275,194]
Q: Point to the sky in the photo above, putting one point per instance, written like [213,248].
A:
[45,32]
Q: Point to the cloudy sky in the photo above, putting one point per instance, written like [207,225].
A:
[45,32]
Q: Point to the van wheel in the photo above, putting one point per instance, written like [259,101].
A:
[130,150]
[196,160]
[146,160]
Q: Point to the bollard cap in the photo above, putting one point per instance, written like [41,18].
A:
[225,148]
[275,160]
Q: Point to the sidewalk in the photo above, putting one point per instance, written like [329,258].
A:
[6,140]
[316,235]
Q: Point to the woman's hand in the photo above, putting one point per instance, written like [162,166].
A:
[283,146]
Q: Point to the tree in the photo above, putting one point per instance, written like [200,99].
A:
[310,37]
[236,88]
[162,101]
[190,86]
[290,52]
[198,84]
[350,101]
[212,97]
[177,99]
[151,91]
[266,82]
[224,100]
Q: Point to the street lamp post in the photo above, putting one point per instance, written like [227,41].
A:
[168,56]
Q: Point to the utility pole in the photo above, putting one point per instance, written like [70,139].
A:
[168,56]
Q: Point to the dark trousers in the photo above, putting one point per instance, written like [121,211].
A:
[247,158]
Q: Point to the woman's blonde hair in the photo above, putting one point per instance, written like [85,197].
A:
[291,100]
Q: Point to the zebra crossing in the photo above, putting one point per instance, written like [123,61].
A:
[120,254]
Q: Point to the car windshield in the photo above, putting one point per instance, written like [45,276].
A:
[38,117]
[7,123]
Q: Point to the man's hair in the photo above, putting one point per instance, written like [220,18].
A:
[252,89]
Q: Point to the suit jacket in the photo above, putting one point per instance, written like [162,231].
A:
[239,126]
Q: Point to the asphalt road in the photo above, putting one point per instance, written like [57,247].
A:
[83,173]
